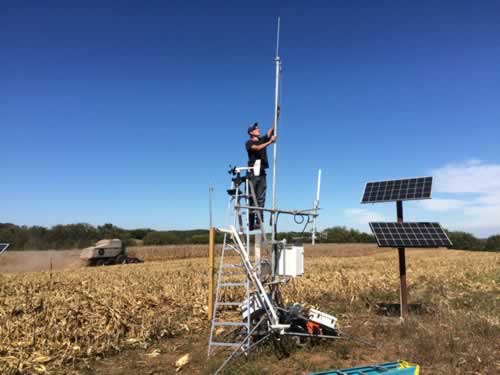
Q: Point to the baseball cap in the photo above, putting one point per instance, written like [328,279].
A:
[251,128]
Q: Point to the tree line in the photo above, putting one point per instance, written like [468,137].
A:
[68,236]
[77,236]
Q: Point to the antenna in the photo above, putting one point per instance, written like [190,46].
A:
[278,38]
[316,207]
[277,62]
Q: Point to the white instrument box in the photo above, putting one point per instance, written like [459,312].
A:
[291,261]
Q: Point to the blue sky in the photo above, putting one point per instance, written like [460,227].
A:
[125,112]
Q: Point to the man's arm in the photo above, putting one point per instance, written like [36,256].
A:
[262,146]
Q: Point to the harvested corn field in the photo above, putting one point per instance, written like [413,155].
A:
[63,320]
[49,320]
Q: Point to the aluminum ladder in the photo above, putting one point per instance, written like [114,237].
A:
[231,277]
[242,270]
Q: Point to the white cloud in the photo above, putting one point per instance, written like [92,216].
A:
[443,205]
[362,216]
[472,176]
[474,187]
[489,199]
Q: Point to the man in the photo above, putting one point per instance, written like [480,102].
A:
[256,149]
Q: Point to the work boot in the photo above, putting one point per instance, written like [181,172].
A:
[258,222]
[251,221]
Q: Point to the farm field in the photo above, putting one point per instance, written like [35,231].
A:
[141,318]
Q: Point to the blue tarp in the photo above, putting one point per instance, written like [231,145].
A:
[389,368]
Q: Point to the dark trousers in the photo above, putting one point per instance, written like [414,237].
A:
[259,187]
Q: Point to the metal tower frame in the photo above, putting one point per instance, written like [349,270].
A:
[260,287]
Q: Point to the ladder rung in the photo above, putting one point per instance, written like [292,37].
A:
[239,273]
[222,285]
[226,343]
[229,324]
[229,303]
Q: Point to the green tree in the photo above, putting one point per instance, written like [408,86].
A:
[140,233]
[493,243]
[465,241]
[161,238]
[344,235]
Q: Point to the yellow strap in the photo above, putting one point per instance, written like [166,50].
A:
[404,364]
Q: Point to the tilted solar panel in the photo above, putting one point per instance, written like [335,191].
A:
[410,235]
[397,190]
[3,247]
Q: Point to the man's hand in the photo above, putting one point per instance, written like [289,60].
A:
[262,146]
[271,131]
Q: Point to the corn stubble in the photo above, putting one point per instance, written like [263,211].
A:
[50,320]
[63,319]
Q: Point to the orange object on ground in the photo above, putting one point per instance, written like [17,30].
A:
[313,328]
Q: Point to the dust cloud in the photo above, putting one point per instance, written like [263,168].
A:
[31,261]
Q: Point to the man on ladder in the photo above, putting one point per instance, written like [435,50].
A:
[256,149]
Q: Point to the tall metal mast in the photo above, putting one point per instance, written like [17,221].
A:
[316,207]
[277,62]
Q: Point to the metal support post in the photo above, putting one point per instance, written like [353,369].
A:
[211,269]
[258,248]
[316,207]
[275,150]
[402,269]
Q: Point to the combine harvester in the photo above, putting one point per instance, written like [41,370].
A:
[107,252]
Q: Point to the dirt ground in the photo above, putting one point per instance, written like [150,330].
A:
[161,357]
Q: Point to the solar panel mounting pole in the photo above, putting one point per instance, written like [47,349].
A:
[277,62]
[403,297]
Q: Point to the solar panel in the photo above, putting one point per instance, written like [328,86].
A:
[410,235]
[397,190]
[3,247]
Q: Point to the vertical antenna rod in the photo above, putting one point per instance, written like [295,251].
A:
[316,207]
[277,61]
